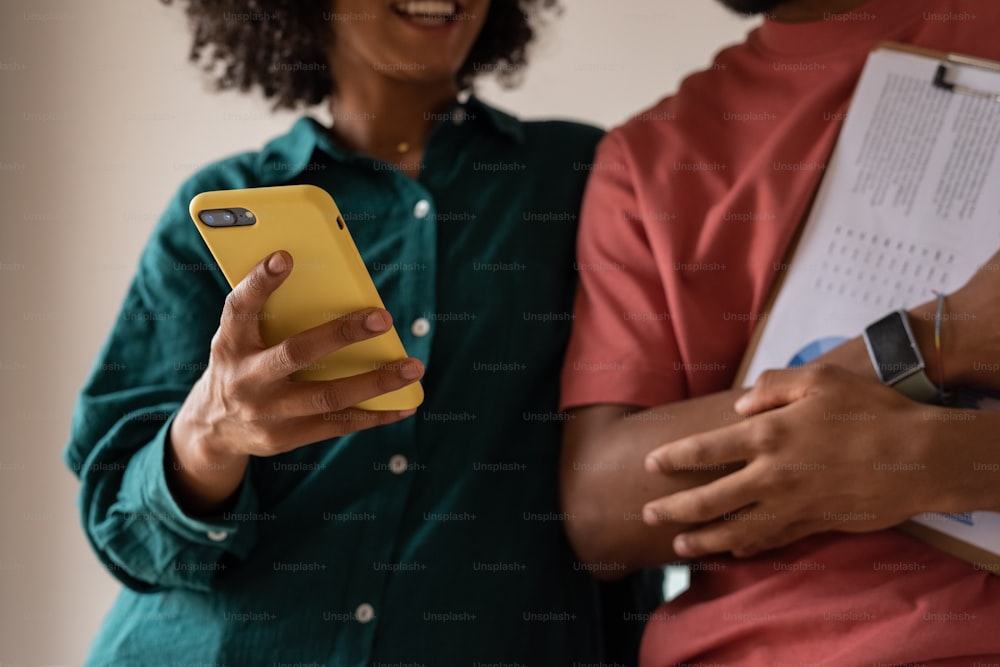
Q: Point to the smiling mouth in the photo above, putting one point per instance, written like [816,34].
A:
[427,12]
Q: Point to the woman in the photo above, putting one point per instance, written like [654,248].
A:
[257,520]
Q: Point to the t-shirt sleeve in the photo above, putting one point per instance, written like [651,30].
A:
[622,349]
[158,348]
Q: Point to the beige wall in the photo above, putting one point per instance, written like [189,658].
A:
[102,119]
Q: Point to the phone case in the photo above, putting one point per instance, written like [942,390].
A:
[328,278]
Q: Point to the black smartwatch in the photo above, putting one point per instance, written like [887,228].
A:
[896,357]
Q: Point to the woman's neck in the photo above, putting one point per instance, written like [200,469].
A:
[388,119]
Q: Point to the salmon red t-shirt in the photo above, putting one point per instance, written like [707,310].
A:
[689,213]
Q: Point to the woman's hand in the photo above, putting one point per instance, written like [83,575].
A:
[247,404]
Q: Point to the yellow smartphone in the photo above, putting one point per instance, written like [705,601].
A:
[328,278]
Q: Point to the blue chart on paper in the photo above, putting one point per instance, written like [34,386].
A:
[815,349]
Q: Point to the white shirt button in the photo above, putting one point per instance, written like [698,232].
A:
[421,209]
[218,535]
[459,116]
[398,464]
[420,327]
[364,613]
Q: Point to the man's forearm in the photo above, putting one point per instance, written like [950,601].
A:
[605,484]
[967,445]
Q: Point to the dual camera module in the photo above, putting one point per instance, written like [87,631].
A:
[227,217]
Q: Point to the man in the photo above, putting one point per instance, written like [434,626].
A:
[685,225]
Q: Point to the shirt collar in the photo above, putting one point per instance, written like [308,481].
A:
[287,156]
[502,122]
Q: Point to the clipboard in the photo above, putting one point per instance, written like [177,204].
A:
[945,75]
[941,80]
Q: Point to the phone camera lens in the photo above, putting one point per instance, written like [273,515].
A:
[226,217]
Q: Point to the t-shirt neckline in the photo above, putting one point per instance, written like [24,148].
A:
[872,22]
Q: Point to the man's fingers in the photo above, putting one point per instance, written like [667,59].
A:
[716,537]
[240,316]
[305,398]
[746,533]
[702,452]
[775,388]
[306,348]
[780,538]
[723,497]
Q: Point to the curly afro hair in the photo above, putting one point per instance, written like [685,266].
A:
[281,46]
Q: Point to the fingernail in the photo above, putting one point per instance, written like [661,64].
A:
[276,264]
[410,371]
[407,413]
[681,546]
[376,321]
[743,403]
[650,517]
[652,465]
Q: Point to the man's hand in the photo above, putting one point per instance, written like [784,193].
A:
[836,451]
[823,449]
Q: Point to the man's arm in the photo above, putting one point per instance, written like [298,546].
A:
[835,452]
[605,486]
[609,493]
[842,453]
[625,351]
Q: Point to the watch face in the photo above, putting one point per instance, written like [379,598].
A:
[891,344]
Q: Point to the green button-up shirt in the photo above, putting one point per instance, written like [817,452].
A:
[433,541]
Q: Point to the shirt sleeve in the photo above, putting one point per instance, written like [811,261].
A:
[158,348]
[622,349]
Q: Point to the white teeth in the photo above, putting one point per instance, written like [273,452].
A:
[430,9]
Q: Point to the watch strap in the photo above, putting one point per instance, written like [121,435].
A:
[918,387]
[900,344]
